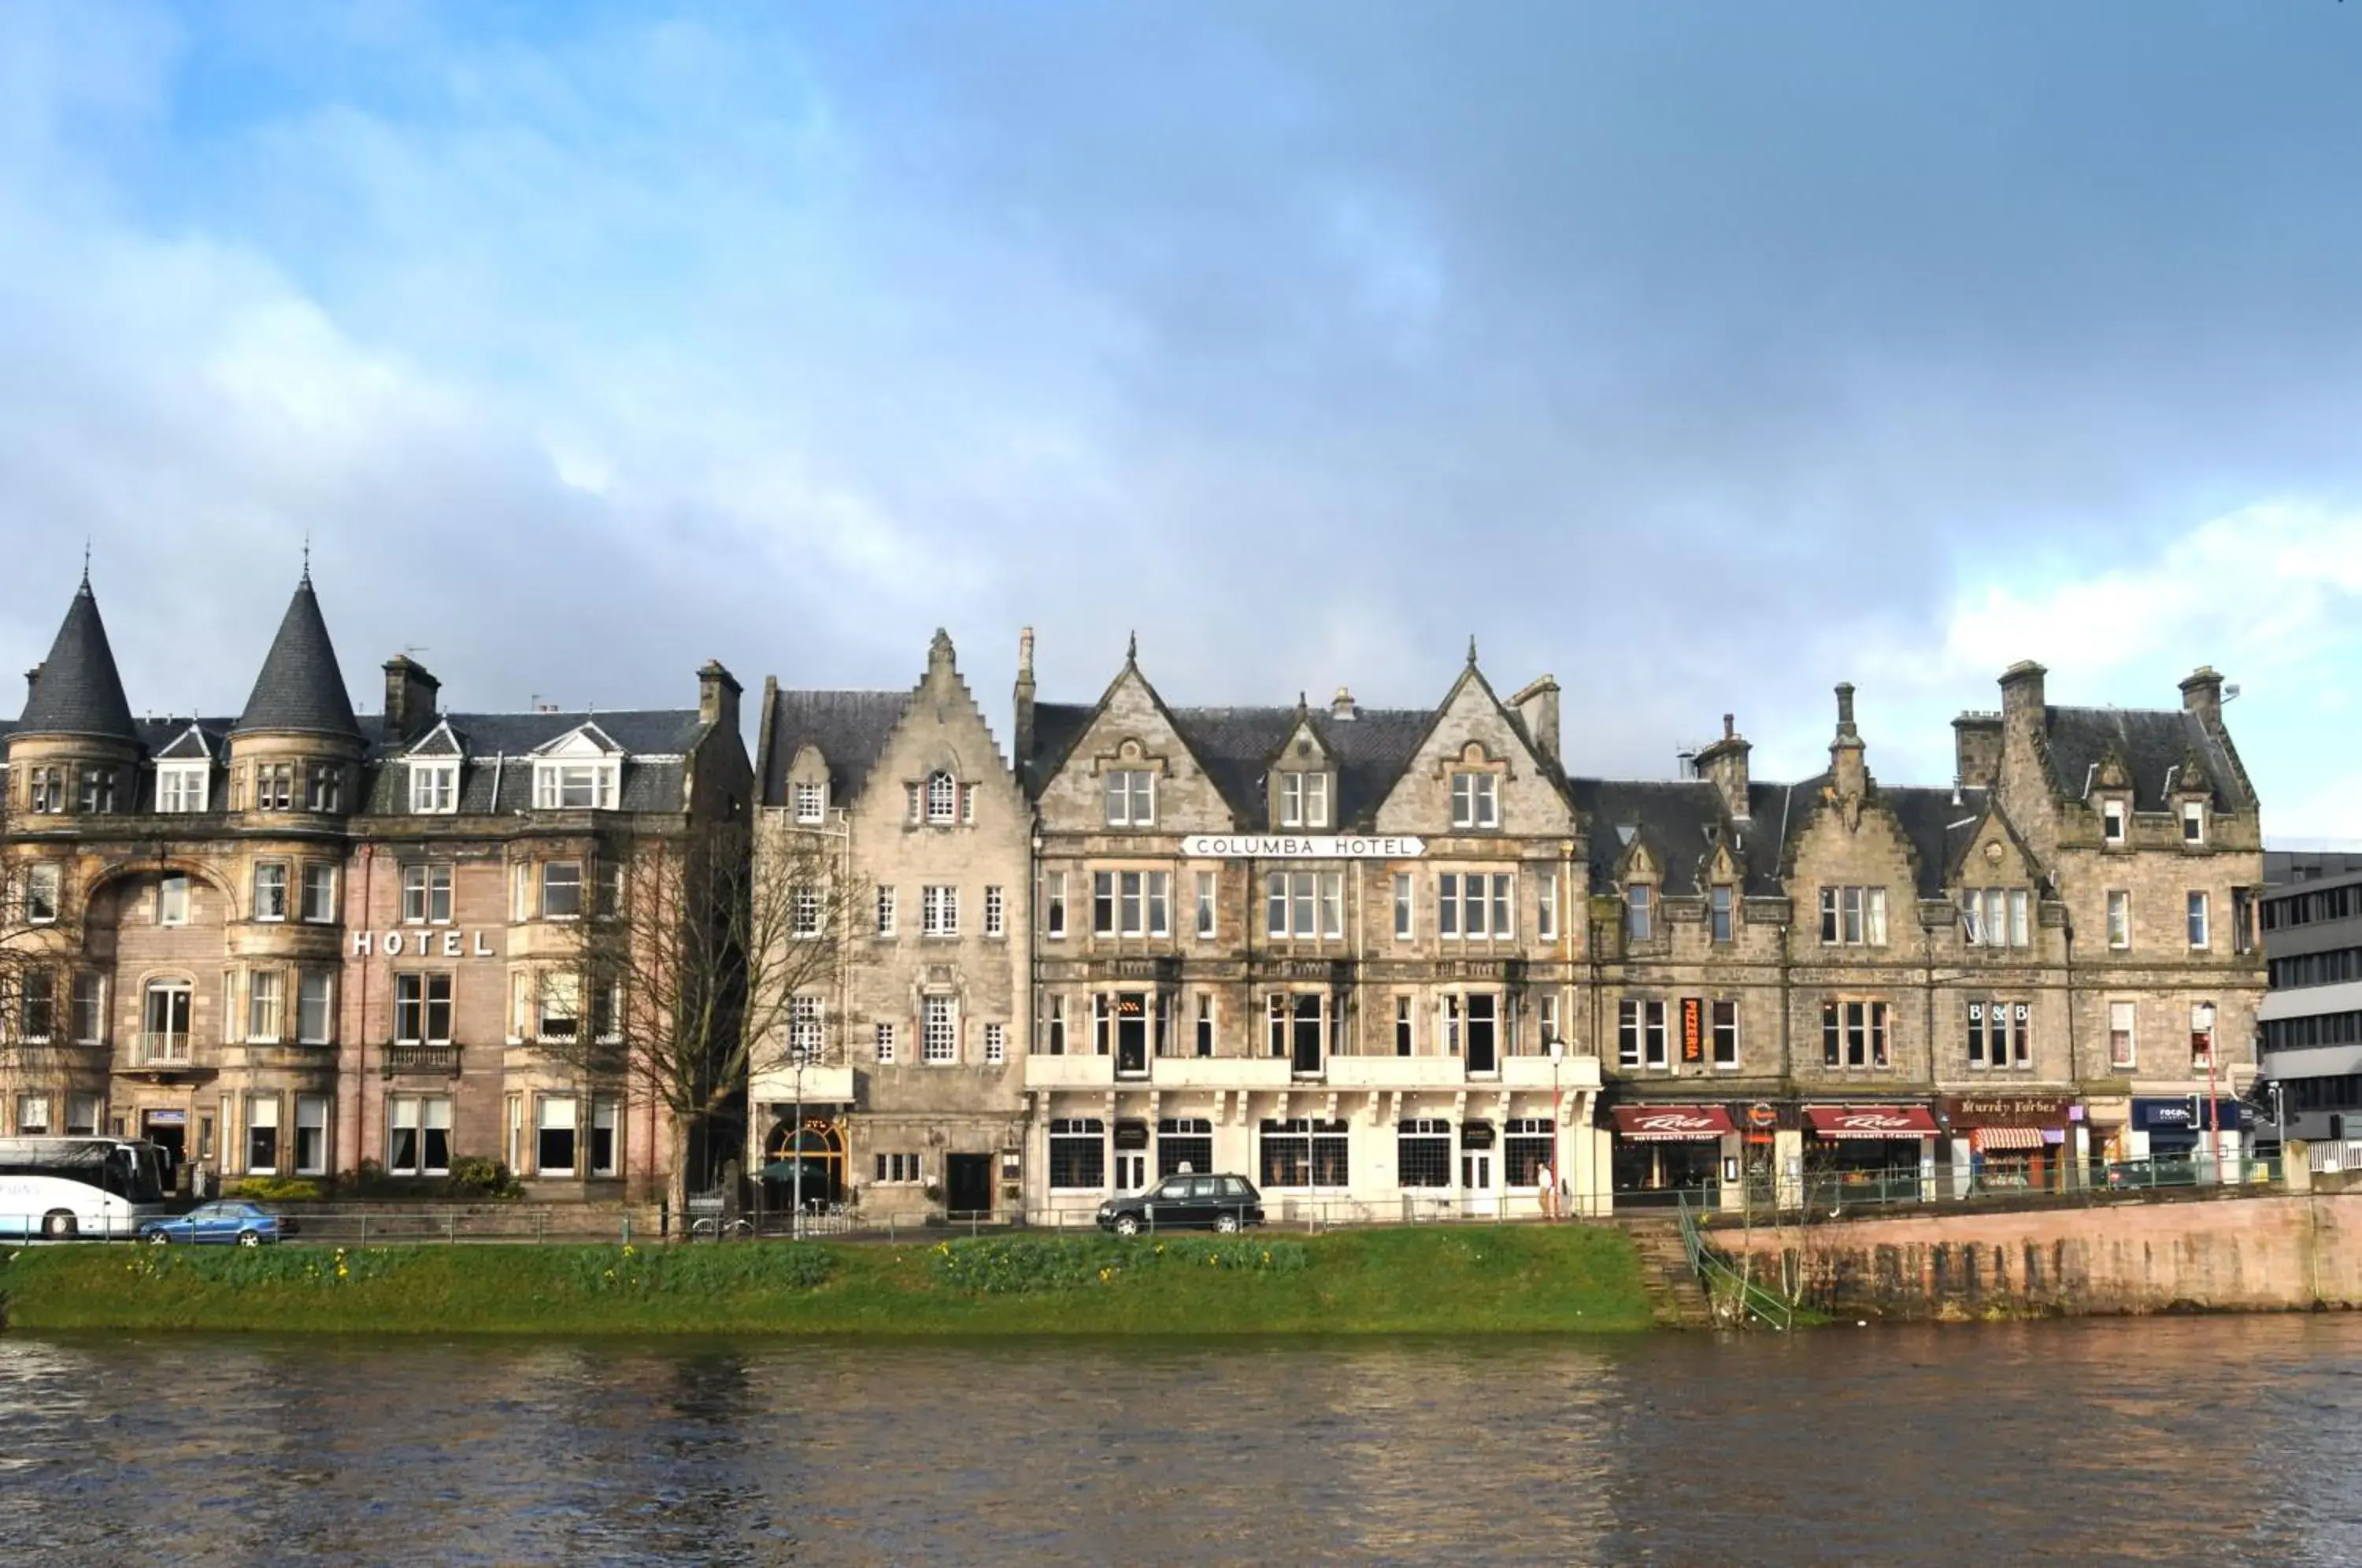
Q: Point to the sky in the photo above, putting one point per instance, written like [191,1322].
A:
[1703,355]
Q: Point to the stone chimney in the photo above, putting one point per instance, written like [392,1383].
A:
[1340,707]
[31,676]
[2022,706]
[409,694]
[1022,739]
[1847,770]
[2203,694]
[1724,762]
[1537,706]
[1976,750]
[717,696]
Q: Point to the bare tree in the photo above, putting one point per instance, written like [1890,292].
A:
[689,962]
[40,931]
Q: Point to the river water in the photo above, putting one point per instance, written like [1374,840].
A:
[2171,1440]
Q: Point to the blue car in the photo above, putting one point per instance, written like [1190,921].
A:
[226,1220]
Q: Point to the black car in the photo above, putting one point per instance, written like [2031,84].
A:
[1224,1203]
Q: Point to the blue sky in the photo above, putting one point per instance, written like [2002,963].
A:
[1704,354]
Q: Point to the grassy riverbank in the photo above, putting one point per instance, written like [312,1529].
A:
[1458,1280]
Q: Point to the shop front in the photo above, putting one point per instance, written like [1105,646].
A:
[1664,1149]
[2011,1143]
[1870,1151]
[2183,1127]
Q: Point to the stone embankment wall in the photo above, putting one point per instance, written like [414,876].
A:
[2226,1254]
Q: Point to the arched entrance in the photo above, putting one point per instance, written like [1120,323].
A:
[819,1144]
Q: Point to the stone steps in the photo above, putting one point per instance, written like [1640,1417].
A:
[1675,1297]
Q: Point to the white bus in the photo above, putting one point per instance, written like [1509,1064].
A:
[65,1187]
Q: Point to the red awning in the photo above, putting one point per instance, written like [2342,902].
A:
[2006,1137]
[1672,1123]
[1869,1121]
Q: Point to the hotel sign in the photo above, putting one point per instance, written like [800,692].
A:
[1301,846]
[423,942]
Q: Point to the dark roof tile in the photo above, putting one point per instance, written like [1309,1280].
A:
[850,728]
[78,690]
[2154,743]
[301,687]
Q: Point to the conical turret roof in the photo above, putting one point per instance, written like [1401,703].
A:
[302,687]
[78,691]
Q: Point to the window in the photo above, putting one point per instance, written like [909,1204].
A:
[2123,1049]
[180,785]
[44,886]
[554,1140]
[38,1017]
[1206,885]
[1639,922]
[885,1044]
[1402,1040]
[1131,798]
[1132,903]
[270,891]
[89,1008]
[1304,904]
[1297,1024]
[262,1135]
[1725,1033]
[97,791]
[900,1170]
[1549,1020]
[172,901]
[1304,799]
[812,803]
[803,911]
[607,1012]
[32,1115]
[1184,1145]
[2193,821]
[884,912]
[1853,1034]
[166,1020]
[1853,917]
[560,1014]
[1423,1152]
[265,1004]
[46,791]
[425,894]
[996,912]
[314,990]
[311,1134]
[2196,911]
[274,786]
[939,911]
[1305,1153]
[1475,799]
[421,1010]
[2001,1034]
[1053,1025]
[1054,905]
[1641,1034]
[2202,1036]
[804,1032]
[320,894]
[943,799]
[1205,1030]
[2120,918]
[1526,1150]
[1996,917]
[1546,908]
[1474,906]
[418,1135]
[433,787]
[1078,1153]
[1404,912]
[561,890]
[574,787]
[604,1118]
[81,1115]
[996,1044]
[2112,821]
[328,791]
[938,1031]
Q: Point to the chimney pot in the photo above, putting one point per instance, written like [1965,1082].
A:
[1729,726]
[1342,705]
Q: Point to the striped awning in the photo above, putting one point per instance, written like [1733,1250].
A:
[1983,1138]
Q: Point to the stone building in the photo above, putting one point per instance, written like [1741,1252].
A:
[300,941]
[909,1103]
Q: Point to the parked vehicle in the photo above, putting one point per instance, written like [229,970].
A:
[1225,1203]
[66,1187]
[227,1221]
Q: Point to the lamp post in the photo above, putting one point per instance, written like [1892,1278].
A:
[798,1054]
[1557,1172]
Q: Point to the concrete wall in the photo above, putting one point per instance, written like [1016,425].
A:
[2282,1253]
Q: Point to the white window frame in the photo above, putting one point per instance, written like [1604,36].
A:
[2124,1023]
[1138,904]
[996,1044]
[939,912]
[577,883]
[266,1006]
[2112,817]
[943,795]
[1491,894]
[1546,907]
[995,910]
[425,1003]
[172,899]
[2198,919]
[939,1031]
[434,788]
[883,1044]
[312,1114]
[182,787]
[274,907]
[543,1120]
[1406,907]
[418,1114]
[319,876]
[1304,798]
[44,893]
[594,782]
[2193,822]
[1477,801]
[807,1027]
[1207,909]
[1304,906]
[2120,919]
[1129,794]
[323,981]
[810,798]
[886,911]
[1053,906]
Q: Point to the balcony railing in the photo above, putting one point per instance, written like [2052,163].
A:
[439,1060]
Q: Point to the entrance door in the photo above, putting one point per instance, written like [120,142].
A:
[1483,1033]
[169,1131]
[1132,1034]
[1130,1171]
[1476,1190]
[968,1184]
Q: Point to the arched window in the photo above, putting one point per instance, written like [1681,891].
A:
[942,799]
[166,1020]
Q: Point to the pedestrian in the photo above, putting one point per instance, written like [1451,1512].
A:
[1547,1181]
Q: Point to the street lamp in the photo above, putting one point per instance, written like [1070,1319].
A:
[799,1056]
[1558,1172]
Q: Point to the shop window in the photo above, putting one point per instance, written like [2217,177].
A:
[1077,1154]
[1305,1153]
[1423,1152]
[1853,1034]
[1526,1150]
[554,1139]
[1184,1145]
[418,1135]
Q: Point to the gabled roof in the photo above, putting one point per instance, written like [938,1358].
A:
[78,691]
[1236,747]
[192,745]
[2153,742]
[586,737]
[301,688]
[439,741]
[1937,827]
[849,728]
[1680,822]
[498,752]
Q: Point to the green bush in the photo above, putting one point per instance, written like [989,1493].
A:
[1022,1265]
[275,1189]
[700,1271]
[473,1177]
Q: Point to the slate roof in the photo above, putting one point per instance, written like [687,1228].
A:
[2153,743]
[78,691]
[1237,746]
[850,728]
[1937,827]
[1680,822]
[1057,726]
[301,687]
[496,776]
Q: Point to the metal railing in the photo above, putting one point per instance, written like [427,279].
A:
[1725,1286]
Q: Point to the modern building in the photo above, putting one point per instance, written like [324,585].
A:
[2312,1019]
[306,942]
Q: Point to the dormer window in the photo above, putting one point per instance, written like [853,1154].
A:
[2193,821]
[1639,911]
[1303,799]
[942,799]
[1996,917]
[574,786]
[812,803]
[1131,798]
[433,787]
[2112,822]
[1475,799]
[181,787]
